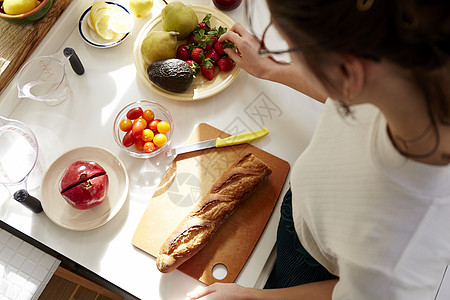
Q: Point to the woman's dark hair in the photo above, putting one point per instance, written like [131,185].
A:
[413,34]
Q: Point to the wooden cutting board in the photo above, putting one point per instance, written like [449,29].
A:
[18,40]
[191,175]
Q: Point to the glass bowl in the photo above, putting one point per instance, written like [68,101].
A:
[160,113]
[28,17]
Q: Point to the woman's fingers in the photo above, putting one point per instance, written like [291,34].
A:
[199,292]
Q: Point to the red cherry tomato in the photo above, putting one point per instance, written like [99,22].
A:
[125,125]
[138,126]
[154,124]
[139,145]
[128,139]
[148,115]
[134,113]
[149,147]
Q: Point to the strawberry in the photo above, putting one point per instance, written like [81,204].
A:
[190,62]
[192,39]
[194,66]
[183,52]
[219,48]
[203,39]
[225,64]
[208,72]
[195,54]
[203,25]
[212,41]
[213,55]
[207,67]
[206,22]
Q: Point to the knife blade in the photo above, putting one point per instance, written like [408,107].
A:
[219,142]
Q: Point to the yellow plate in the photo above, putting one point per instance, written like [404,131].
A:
[201,88]
[61,213]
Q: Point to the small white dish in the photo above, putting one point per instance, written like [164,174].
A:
[92,38]
[60,212]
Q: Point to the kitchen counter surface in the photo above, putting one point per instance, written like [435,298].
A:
[109,83]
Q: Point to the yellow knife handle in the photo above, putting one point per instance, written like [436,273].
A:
[242,138]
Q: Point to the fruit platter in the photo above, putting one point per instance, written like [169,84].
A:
[203,85]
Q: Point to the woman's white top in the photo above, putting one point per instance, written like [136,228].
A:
[379,221]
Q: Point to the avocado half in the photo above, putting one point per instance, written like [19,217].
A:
[174,75]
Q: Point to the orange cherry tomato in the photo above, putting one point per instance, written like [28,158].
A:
[154,124]
[149,147]
[125,125]
[148,115]
[138,126]
[163,127]
[160,140]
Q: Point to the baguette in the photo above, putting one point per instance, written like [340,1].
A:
[233,187]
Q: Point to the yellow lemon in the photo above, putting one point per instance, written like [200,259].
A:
[96,10]
[102,28]
[16,7]
[141,8]
[120,22]
[90,23]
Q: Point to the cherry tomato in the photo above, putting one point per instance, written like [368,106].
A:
[149,147]
[160,140]
[134,113]
[128,139]
[147,135]
[138,126]
[163,127]
[148,115]
[139,145]
[125,125]
[140,120]
[154,124]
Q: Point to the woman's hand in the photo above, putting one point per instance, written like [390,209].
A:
[247,54]
[247,57]
[220,291]
[320,290]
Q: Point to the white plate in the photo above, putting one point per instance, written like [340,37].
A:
[60,212]
[92,38]
[201,88]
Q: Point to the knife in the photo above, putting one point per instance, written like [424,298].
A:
[219,142]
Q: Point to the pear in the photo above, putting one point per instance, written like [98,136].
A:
[180,18]
[159,45]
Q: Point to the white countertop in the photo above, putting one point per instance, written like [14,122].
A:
[109,83]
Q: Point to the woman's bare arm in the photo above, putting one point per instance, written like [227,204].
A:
[248,58]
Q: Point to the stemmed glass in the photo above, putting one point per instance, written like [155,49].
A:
[18,157]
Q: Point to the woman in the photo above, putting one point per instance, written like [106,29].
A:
[370,211]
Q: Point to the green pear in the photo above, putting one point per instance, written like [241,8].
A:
[180,18]
[159,45]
